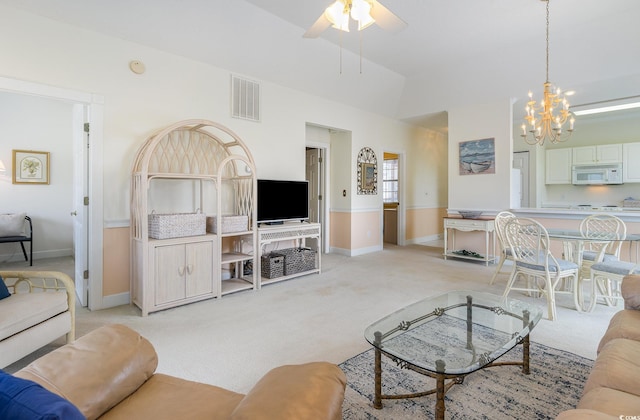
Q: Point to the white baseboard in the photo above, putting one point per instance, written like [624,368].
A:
[115,300]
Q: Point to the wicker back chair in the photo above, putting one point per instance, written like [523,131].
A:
[529,244]
[501,221]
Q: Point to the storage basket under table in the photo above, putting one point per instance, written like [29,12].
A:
[297,260]
[176,225]
[272,265]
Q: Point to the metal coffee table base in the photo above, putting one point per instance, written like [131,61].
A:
[442,386]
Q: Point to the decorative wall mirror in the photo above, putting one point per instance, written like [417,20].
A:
[367,167]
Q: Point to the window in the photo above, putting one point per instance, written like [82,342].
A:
[390,181]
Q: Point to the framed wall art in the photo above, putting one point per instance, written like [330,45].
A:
[30,167]
[477,157]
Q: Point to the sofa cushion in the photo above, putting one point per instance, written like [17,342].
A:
[623,324]
[21,399]
[616,367]
[96,371]
[4,292]
[12,224]
[168,397]
[610,401]
[24,310]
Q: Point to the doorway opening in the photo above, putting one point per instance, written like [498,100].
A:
[87,109]
[390,197]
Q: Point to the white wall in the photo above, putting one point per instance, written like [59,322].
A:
[33,123]
[174,88]
[489,192]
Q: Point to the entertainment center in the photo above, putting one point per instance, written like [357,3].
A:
[195,208]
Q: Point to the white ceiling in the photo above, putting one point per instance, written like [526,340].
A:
[453,52]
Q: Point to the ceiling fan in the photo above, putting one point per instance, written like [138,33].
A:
[365,12]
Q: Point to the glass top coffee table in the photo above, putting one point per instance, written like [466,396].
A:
[450,336]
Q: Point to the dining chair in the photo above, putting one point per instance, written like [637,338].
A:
[606,278]
[529,244]
[501,221]
[601,232]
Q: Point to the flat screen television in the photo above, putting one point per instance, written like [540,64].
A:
[281,201]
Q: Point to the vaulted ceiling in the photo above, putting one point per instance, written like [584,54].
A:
[453,52]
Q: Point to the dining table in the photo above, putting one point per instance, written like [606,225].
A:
[573,247]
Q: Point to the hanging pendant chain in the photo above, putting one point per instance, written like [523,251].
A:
[547,40]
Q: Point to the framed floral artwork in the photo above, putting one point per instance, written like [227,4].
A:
[30,167]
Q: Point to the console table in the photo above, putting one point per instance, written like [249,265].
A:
[297,233]
[469,225]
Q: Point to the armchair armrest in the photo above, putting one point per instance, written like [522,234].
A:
[630,290]
[295,392]
[31,281]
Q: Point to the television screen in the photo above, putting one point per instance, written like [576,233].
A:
[279,201]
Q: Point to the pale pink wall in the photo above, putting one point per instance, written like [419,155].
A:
[424,222]
[365,229]
[340,230]
[116,259]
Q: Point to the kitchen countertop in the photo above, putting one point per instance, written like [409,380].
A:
[631,214]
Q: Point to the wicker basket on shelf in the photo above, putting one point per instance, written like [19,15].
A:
[176,225]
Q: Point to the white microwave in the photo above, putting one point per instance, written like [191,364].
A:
[597,174]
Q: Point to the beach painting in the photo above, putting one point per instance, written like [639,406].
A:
[477,157]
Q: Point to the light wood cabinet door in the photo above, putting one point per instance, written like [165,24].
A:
[170,273]
[183,271]
[199,269]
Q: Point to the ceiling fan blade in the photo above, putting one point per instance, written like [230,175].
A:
[316,29]
[386,19]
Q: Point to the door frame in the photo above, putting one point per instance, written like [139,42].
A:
[401,195]
[95,107]
[325,182]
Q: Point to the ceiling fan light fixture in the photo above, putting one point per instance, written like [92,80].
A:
[361,12]
[338,15]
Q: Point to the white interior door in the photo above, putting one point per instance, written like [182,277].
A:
[313,172]
[80,208]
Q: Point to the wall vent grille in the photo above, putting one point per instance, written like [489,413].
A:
[245,99]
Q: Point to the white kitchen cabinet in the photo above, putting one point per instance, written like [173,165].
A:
[631,162]
[182,271]
[600,154]
[558,166]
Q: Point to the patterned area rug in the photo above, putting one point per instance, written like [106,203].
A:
[502,392]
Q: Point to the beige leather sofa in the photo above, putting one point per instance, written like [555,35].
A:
[109,374]
[41,309]
[613,388]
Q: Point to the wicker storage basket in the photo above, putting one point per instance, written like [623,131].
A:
[297,260]
[272,265]
[229,224]
[176,225]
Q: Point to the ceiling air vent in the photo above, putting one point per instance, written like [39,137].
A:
[245,99]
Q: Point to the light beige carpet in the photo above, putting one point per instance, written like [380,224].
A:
[233,341]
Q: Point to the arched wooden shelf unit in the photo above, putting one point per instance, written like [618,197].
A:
[192,166]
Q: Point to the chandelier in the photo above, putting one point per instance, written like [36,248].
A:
[359,10]
[545,120]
